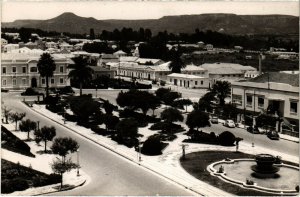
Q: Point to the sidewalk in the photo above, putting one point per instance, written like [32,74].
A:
[41,162]
[166,165]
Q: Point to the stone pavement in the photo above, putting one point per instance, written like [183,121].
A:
[167,165]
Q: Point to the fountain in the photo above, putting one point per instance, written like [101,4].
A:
[264,166]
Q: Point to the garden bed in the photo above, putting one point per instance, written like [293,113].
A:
[15,177]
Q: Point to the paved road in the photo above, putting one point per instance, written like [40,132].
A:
[110,174]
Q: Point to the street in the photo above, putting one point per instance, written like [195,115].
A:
[110,174]
[113,175]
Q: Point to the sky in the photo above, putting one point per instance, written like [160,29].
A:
[141,9]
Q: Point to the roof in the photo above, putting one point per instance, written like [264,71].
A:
[128,59]
[144,60]
[226,68]
[225,71]
[193,67]
[120,52]
[99,69]
[291,79]
[26,57]
[179,75]
[108,56]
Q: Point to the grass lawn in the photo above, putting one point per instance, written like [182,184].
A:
[196,164]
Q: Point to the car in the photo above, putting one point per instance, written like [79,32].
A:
[254,131]
[214,120]
[229,123]
[273,135]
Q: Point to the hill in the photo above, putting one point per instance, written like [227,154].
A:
[226,23]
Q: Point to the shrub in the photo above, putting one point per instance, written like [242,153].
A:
[163,126]
[51,100]
[30,92]
[226,138]
[162,83]
[152,146]
[17,184]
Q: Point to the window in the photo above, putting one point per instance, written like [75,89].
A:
[4,82]
[43,81]
[196,83]
[52,80]
[3,70]
[201,82]
[261,102]
[237,99]
[23,69]
[14,69]
[33,69]
[24,81]
[249,100]
[61,80]
[14,82]
[294,107]
[170,80]
[61,69]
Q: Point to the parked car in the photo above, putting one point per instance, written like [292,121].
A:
[273,135]
[229,123]
[214,120]
[254,131]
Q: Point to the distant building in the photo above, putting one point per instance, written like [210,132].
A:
[13,35]
[19,71]
[226,71]
[10,47]
[251,74]
[209,47]
[120,53]
[275,93]
[3,42]
[188,81]
[101,71]
[51,45]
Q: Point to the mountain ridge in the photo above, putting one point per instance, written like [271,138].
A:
[227,23]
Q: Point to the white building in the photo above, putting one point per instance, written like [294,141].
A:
[188,81]
[10,47]
[19,71]
[3,42]
[51,45]
[277,93]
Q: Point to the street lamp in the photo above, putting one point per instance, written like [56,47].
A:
[78,166]
[139,150]
[183,150]
[96,90]
[64,115]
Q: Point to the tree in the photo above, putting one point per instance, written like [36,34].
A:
[265,121]
[27,126]
[183,102]
[205,102]
[160,92]
[127,128]
[80,71]
[83,107]
[45,134]
[176,63]
[61,166]
[171,115]
[63,146]
[16,117]
[46,67]
[170,97]
[197,119]
[110,121]
[5,112]
[108,107]
[92,34]
[230,111]
[222,90]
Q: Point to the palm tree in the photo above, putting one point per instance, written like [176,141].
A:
[80,71]
[222,90]
[46,67]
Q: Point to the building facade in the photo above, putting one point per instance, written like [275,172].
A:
[277,93]
[19,71]
[188,81]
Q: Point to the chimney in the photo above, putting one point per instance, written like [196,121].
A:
[259,64]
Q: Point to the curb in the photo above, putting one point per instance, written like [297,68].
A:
[108,148]
[289,140]
[69,188]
